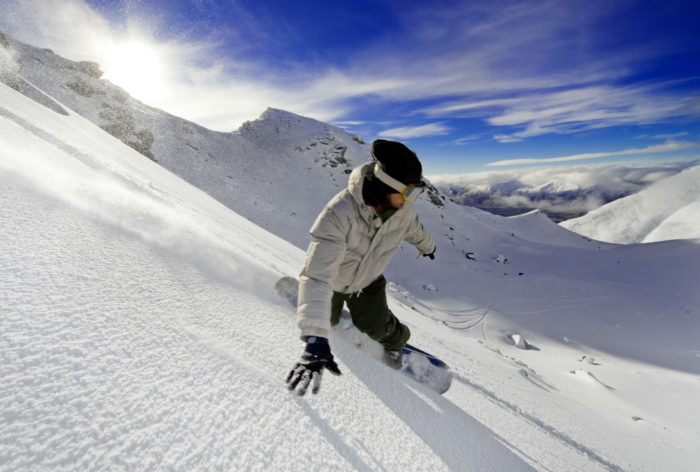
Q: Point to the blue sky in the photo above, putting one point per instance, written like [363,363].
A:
[471,86]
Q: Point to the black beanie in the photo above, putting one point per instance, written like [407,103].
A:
[398,161]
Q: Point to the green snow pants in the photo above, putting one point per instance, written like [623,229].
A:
[371,315]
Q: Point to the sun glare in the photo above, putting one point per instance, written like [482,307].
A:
[137,67]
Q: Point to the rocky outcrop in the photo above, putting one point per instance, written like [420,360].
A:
[91,69]
[83,88]
[120,123]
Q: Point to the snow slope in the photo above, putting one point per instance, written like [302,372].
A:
[669,209]
[138,327]
[139,330]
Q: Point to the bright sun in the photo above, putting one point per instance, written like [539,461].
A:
[135,66]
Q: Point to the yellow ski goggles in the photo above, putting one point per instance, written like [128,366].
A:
[410,192]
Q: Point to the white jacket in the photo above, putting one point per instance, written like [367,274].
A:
[350,248]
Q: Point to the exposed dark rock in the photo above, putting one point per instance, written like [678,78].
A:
[120,123]
[83,88]
[89,68]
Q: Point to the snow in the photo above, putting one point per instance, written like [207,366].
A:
[139,328]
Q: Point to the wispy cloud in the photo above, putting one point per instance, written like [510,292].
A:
[467,107]
[406,132]
[588,108]
[663,136]
[467,139]
[669,146]
[571,110]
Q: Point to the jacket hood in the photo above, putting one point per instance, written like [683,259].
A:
[356,183]
[357,180]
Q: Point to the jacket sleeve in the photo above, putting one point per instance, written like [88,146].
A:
[323,259]
[420,237]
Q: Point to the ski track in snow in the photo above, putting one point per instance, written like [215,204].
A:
[537,422]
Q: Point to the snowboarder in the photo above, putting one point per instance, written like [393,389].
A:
[352,241]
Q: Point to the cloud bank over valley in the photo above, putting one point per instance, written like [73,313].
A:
[560,192]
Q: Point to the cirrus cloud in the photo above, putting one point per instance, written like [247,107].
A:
[406,132]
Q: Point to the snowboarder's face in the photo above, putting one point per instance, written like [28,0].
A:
[395,200]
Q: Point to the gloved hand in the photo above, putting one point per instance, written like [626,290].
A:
[314,359]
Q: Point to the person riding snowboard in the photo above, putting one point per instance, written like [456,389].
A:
[352,242]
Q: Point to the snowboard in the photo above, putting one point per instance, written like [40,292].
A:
[416,363]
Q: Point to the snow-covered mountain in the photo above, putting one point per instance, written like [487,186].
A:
[669,209]
[241,169]
[139,328]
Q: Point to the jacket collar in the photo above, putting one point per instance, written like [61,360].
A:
[357,181]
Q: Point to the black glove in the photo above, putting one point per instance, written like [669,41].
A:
[431,255]
[314,359]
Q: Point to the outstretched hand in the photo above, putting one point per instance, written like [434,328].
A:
[309,370]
